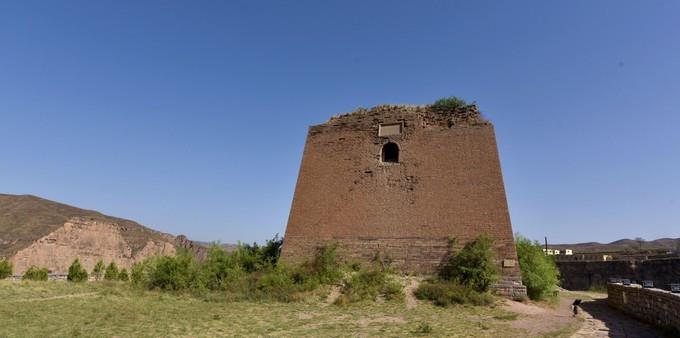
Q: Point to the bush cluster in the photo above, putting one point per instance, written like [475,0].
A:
[539,271]
[250,272]
[473,267]
[6,268]
[371,282]
[36,274]
[444,293]
[465,277]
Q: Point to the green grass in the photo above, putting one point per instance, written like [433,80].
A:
[60,309]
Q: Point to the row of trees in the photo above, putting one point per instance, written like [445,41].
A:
[76,272]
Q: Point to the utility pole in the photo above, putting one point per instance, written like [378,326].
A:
[546,245]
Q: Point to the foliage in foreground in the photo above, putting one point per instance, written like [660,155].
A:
[473,267]
[76,272]
[369,284]
[36,274]
[444,293]
[250,272]
[465,277]
[6,268]
[539,272]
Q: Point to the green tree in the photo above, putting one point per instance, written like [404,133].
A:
[6,268]
[123,275]
[539,271]
[474,266]
[111,272]
[98,271]
[35,273]
[76,272]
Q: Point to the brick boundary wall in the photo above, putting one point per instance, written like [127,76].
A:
[655,306]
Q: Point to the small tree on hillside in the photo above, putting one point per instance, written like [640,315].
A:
[35,273]
[5,268]
[111,272]
[76,272]
[123,275]
[98,271]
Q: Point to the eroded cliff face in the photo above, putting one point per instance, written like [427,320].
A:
[89,240]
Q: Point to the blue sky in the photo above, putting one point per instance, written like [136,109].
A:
[190,116]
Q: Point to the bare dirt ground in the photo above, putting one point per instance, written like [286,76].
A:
[540,319]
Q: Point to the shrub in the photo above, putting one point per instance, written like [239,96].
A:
[219,268]
[111,272]
[123,275]
[179,272]
[271,251]
[98,270]
[473,266]
[76,272]
[444,294]
[449,103]
[6,268]
[139,273]
[325,265]
[35,273]
[539,272]
[279,283]
[368,284]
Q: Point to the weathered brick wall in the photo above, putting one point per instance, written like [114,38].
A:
[448,183]
[655,306]
[579,275]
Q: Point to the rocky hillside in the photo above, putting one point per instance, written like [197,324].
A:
[36,231]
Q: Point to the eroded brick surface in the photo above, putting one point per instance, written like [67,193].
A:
[447,183]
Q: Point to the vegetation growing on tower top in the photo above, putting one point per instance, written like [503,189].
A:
[449,103]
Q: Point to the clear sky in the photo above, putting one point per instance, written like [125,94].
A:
[190,117]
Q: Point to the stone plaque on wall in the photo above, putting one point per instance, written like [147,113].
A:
[389,129]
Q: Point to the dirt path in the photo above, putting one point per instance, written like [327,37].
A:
[410,298]
[541,319]
[603,321]
[75,295]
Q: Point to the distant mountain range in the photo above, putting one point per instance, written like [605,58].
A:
[623,245]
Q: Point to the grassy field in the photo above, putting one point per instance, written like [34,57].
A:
[60,309]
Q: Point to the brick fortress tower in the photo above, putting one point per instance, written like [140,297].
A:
[402,180]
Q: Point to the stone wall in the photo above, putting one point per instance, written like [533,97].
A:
[583,275]
[655,306]
[448,183]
